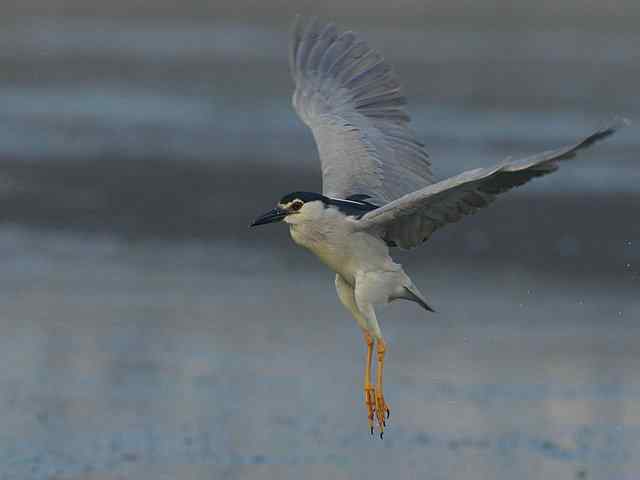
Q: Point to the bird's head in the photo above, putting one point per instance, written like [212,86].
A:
[294,208]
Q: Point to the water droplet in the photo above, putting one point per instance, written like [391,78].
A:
[619,314]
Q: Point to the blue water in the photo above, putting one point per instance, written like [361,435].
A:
[129,358]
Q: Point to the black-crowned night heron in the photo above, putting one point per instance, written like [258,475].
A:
[378,189]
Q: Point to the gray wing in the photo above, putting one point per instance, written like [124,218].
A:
[351,100]
[411,219]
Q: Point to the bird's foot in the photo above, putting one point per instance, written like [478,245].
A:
[369,394]
[382,411]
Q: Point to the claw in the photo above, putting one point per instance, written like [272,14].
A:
[369,401]
[381,410]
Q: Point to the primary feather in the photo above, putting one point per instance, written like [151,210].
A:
[411,219]
[350,98]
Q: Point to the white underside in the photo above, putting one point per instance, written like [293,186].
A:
[366,275]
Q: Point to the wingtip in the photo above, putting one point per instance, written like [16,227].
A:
[616,124]
[604,132]
[625,122]
[300,22]
[295,23]
[619,122]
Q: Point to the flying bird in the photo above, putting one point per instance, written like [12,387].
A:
[378,191]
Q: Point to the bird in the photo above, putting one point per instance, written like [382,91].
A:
[378,190]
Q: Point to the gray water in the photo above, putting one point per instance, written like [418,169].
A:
[146,332]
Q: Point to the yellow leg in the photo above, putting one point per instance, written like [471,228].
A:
[382,409]
[368,388]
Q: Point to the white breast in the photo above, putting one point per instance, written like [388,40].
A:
[332,239]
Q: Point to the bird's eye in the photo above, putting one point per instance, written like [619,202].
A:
[297,205]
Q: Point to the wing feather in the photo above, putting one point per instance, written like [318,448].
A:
[411,219]
[351,99]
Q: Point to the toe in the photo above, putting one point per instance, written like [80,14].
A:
[369,402]
[381,412]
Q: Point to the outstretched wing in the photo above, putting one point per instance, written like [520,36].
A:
[351,100]
[411,219]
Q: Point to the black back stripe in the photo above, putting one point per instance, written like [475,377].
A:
[352,206]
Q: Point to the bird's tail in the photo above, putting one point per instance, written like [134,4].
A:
[412,293]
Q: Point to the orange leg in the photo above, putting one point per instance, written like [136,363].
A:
[382,409]
[368,388]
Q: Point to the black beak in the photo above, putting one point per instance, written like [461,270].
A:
[271,216]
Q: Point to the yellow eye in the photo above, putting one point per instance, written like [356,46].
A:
[297,205]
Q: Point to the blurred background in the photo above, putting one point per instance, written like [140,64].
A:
[147,333]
